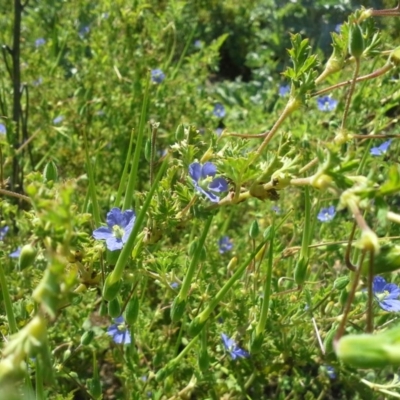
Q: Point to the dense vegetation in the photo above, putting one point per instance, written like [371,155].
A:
[199,199]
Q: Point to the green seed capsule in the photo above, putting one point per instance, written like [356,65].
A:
[180,133]
[328,341]
[254,230]
[110,292]
[114,308]
[341,283]
[203,360]
[26,257]
[356,41]
[300,271]
[147,150]
[177,309]
[132,310]
[94,386]
[50,172]
[87,337]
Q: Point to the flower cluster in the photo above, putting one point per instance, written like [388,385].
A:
[386,294]
[232,348]
[203,176]
[119,226]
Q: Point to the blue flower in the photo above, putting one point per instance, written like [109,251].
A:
[3,129]
[338,27]
[157,76]
[326,103]
[225,244]
[386,294]
[382,149]
[39,42]
[330,371]
[15,253]
[58,119]
[219,110]
[38,81]
[219,131]
[284,90]
[119,227]
[119,331]
[83,31]
[232,348]
[276,209]
[174,285]
[3,232]
[204,174]
[326,214]
[198,44]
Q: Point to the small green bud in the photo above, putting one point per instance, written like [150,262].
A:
[112,256]
[368,351]
[26,257]
[67,354]
[132,310]
[300,271]
[254,229]
[180,133]
[103,309]
[268,233]
[329,307]
[192,248]
[328,341]
[341,282]
[50,172]
[177,309]
[147,150]
[87,337]
[94,386]
[196,326]
[163,373]
[203,254]
[256,342]
[388,260]
[203,359]
[114,308]
[344,294]
[111,292]
[356,41]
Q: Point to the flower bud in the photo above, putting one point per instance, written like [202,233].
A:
[356,41]
[132,310]
[177,309]
[114,308]
[26,257]
[203,359]
[147,150]
[94,386]
[254,229]
[87,337]
[180,133]
[50,172]
[341,282]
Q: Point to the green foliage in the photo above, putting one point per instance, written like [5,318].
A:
[244,194]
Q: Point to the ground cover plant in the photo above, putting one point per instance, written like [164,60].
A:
[199,200]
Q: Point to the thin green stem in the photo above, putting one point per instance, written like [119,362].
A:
[92,184]
[7,302]
[138,149]
[350,94]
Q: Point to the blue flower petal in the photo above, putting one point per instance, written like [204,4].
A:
[211,196]
[218,185]
[102,233]
[128,229]
[195,171]
[114,244]
[209,169]
[378,284]
[382,149]
[390,305]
